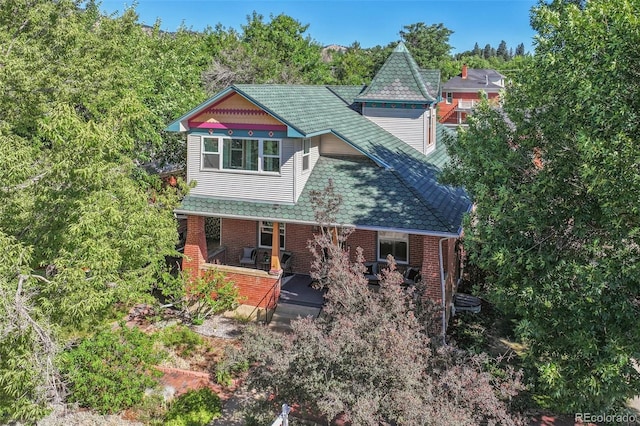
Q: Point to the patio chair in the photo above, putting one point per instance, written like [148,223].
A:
[411,276]
[371,274]
[285,261]
[248,257]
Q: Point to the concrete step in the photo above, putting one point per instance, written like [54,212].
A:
[286,312]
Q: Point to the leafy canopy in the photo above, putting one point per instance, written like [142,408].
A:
[555,179]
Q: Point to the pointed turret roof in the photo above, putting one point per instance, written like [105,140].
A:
[400,80]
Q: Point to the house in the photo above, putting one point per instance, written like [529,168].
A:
[258,151]
[461,93]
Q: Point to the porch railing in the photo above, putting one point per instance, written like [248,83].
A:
[467,103]
[270,300]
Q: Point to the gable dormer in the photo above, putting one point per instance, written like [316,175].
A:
[402,100]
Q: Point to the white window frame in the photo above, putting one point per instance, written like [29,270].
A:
[306,154]
[220,153]
[266,227]
[263,156]
[393,237]
[205,152]
[449,97]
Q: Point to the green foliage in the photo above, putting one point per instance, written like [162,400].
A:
[84,100]
[111,370]
[180,338]
[557,224]
[19,380]
[429,45]
[194,408]
[265,52]
[209,294]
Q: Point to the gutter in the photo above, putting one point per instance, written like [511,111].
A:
[442,289]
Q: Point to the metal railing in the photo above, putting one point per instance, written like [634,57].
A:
[272,301]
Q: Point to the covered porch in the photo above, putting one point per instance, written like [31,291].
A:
[261,278]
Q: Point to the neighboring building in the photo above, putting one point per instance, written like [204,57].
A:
[258,151]
[461,93]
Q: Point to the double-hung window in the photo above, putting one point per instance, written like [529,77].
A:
[395,244]
[254,155]
[270,156]
[449,97]
[210,153]
[266,234]
[306,153]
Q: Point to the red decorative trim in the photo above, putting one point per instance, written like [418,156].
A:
[230,132]
[235,111]
[237,126]
[250,132]
[270,134]
[210,131]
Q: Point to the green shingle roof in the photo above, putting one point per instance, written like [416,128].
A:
[400,80]
[372,198]
[393,187]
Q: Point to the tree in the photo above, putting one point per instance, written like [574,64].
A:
[476,50]
[429,45]
[370,357]
[502,51]
[555,179]
[266,52]
[486,52]
[520,50]
[83,102]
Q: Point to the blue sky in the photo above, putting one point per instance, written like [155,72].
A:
[370,22]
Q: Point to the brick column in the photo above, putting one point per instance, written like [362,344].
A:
[195,249]
[431,268]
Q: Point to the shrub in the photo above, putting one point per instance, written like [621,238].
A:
[111,370]
[194,408]
[181,338]
[210,294]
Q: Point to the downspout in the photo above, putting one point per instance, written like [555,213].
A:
[442,289]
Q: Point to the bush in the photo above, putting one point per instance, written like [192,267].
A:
[194,408]
[198,299]
[181,338]
[111,370]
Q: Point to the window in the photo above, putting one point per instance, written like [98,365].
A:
[255,155]
[210,153]
[240,154]
[395,244]
[449,97]
[306,150]
[271,156]
[266,234]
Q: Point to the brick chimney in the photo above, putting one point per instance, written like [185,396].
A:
[464,71]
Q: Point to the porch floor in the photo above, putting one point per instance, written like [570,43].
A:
[296,290]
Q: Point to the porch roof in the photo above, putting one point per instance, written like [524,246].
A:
[372,198]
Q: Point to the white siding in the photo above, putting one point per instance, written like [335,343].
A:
[239,185]
[302,176]
[408,125]
[332,145]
